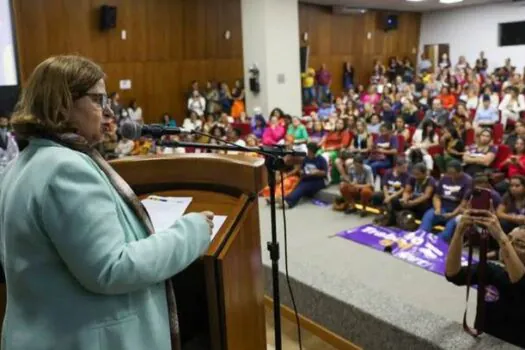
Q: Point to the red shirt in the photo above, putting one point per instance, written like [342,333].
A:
[516,168]
[337,140]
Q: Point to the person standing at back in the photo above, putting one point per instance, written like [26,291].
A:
[84,268]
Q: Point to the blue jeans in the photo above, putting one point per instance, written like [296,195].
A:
[323,91]
[376,165]
[308,95]
[304,189]
[430,219]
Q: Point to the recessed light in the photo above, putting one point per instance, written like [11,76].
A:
[415,0]
[449,1]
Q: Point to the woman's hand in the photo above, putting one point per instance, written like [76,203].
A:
[209,219]
[490,221]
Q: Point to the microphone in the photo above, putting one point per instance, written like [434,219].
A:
[133,130]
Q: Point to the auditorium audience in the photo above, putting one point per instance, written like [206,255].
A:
[512,105]
[437,114]
[357,184]
[238,100]
[393,184]
[383,149]
[479,157]
[313,177]
[401,129]
[135,112]
[274,132]
[511,211]
[450,198]
[486,115]
[419,191]
[333,142]
[453,148]
[192,122]
[423,139]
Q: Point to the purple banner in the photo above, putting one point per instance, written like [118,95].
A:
[419,248]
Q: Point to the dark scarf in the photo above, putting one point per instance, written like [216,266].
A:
[78,143]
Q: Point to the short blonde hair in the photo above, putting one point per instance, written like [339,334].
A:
[50,92]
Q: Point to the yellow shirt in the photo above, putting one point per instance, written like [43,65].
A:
[308,78]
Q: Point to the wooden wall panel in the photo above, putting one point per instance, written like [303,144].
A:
[334,39]
[169,43]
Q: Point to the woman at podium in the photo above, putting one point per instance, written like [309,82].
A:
[83,266]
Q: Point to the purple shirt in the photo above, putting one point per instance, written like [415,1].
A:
[453,192]
[394,182]
[324,77]
[473,150]
[385,143]
[418,189]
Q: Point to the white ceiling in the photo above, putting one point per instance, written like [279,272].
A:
[402,5]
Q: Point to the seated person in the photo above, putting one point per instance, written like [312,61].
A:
[313,177]
[511,211]
[393,184]
[273,133]
[357,184]
[450,198]
[331,145]
[503,315]
[297,130]
[486,116]
[374,125]
[513,165]
[361,145]
[448,100]
[519,131]
[479,157]
[437,114]
[419,191]
[401,129]
[423,139]
[384,148]
[453,148]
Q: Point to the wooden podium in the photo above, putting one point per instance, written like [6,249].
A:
[220,297]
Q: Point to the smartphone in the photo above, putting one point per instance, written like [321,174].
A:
[480,199]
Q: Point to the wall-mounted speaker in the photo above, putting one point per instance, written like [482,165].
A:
[391,22]
[108,17]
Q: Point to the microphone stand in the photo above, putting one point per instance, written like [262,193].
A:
[274,161]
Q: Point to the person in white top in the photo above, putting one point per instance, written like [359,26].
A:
[124,147]
[192,122]
[494,97]
[512,105]
[424,138]
[197,103]
[135,112]
[235,137]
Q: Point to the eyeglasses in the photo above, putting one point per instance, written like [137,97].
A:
[101,99]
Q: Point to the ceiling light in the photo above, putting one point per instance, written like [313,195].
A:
[449,1]
[415,0]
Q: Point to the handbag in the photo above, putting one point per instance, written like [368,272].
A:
[406,220]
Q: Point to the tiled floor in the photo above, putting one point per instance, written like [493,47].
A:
[289,336]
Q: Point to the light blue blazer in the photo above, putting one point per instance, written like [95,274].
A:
[81,272]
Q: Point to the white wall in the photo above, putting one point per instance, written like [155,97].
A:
[473,29]
[270,30]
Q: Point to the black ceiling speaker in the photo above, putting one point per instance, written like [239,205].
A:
[108,17]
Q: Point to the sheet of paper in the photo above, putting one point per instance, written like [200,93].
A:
[218,220]
[164,211]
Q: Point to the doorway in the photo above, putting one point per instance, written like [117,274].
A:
[434,52]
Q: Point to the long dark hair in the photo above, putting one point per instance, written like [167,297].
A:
[508,198]
[425,125]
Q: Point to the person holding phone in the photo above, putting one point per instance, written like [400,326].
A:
[504,301]
[452,193]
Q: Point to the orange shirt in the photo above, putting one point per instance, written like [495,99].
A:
[448,101]
[337,140]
